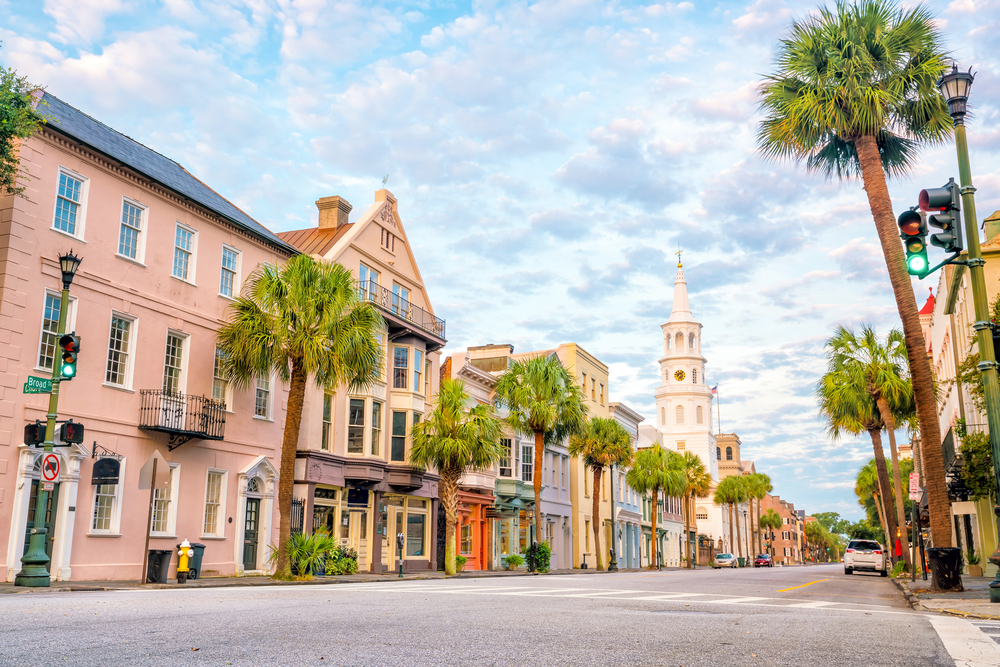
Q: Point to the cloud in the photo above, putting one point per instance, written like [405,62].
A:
[81,21]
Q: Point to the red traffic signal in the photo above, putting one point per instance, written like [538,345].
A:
[71,433]
[34,434]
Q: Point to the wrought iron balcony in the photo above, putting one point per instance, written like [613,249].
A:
[400,308]
[182,417]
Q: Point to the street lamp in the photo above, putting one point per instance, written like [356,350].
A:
[955,87]
[746,533]
[34,564]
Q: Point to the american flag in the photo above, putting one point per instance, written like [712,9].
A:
[715,389]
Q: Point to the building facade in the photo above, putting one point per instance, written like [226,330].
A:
[163,257]
[786,545]
[352,470]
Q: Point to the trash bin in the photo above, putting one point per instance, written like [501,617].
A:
[195,563]
[946,567]
[159,565]
[743,561]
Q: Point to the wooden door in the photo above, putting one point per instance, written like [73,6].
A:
[251,527]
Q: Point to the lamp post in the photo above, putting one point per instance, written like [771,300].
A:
[613,549]
[34,571]
[955,86]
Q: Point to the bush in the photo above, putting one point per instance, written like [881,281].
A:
[543,557]
[460,562]
[972,558]
[899,568]
[514,561]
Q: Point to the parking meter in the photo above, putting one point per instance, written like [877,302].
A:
[400,542]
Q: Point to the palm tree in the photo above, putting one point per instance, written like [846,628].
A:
[771,520]
[300,321]
[656,470]
[542,400]
[725,495]
[854,95]
[459,434]
[697,483]
[603,443]
[866,486]
[880,369]
[758,486]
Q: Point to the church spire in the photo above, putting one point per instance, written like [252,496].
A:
[681,311]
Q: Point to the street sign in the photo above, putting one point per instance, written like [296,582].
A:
[50,468]
[48,486]
[162,480]
[914,486]
[37,385]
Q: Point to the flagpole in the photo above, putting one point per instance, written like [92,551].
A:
[719,411]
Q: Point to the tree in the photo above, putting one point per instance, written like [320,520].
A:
[459,434]
[880,369]
[602,443]
[833,523]
[758,486]
[656,470]
[770,521]
[725,494]
[18,120]
[697,483]
[854,95]
[541,400]
[817,537]
[977,462]
[299,321]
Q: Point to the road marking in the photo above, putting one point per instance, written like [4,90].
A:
[803,585]
[736,600]
[588,595]
[966,643]
[812,605]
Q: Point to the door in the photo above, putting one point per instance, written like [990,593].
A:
[50,517]
[250,529]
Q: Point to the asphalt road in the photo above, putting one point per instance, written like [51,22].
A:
[782,616]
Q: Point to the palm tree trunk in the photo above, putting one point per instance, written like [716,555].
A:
[916,348]
[654,550]
[731,542]
[692,527]
[885,488]
[739,540]
[881,512]
[449,501]
[286,479]
[536,479]
[596,514]
[890,427]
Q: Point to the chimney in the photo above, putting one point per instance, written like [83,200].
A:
[991,226]
[333,212]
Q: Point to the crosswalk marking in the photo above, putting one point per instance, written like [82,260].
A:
[812,605]
[737,600]
[966,643]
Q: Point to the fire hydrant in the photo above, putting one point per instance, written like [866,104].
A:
[186,552]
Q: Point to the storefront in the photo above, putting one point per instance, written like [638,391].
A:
[474,530]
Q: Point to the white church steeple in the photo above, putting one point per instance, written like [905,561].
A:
[681,310]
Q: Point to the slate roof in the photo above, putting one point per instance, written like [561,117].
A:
[72,122]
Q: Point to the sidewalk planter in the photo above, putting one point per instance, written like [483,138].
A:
[513,561]
[975,571]
[946,567]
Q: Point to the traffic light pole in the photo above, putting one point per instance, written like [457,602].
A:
[34,571]
[984,332]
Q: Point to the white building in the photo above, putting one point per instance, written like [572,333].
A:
[684,404]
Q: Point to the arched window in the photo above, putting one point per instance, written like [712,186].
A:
[694,376]
[680,414]
[691,342]
[701,513]
[255,485]
[670,343]
[718,453]
[679,344]
[699,415]
[729,453]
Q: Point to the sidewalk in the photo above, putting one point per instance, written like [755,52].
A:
[973,602]
[228,582]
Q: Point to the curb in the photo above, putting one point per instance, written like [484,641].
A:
[914,602]
[911,599]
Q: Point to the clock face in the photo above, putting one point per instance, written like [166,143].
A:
[679,376]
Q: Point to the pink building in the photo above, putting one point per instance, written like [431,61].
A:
[163,255]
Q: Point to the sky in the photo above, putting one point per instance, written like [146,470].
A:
[549,159]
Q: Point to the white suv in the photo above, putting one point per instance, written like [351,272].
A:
[865,555]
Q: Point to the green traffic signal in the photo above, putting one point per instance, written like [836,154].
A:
[70,344]
[913,231]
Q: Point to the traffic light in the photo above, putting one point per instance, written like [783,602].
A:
[70,344]
[34,434]
[913,231]
[71,433]
[947,203]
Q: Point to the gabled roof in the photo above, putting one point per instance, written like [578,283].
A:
[70,121]
[928,308]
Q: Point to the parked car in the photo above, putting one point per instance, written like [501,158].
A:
[763,560]
[725,560]
[866,555]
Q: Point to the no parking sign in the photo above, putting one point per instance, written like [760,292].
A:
[50,470]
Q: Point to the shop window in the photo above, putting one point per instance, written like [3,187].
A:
[466,541]
[505,537]
[356,427]
[416,526]
[398,452]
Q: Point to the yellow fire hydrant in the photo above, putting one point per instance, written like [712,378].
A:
[185,554]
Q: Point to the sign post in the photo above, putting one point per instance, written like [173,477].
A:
[152,479]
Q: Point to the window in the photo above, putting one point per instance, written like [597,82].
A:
[691,341]
[418,367]
[466,541]
[593,390]
[718,453]
[602,393]
[680,445]
[663,416]
[586,482]
[165,505]
[356,427]
[262,399]
[327,434]
[527,462]
[427,378]
[183,253]
[729,453]
[400,300]
[400,364]
[106,518]
[679,413]
[173,364]
[230,271]
[699,415]
[694,376]
[398,452]
[586,536]
[131,230]
[119,351]
[214,495]
[388,241]
[505,463]
[584,382]
[376,428]
[416,525]
[220,386]
[69,204]
[701,513]
[552,459]
[679,344]
[49,339]
[786,535]
[368,282]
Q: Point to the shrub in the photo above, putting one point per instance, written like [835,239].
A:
[972,558]
[543,557]
[460,562]
[899,568]
[514,561]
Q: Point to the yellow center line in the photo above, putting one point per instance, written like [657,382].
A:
[803,585]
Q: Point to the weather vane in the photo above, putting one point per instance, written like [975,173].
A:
[678,253]
[385,180]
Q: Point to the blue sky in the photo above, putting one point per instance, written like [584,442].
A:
[549,157]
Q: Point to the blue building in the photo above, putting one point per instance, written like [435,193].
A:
[627,502]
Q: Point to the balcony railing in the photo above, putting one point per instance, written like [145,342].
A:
[182,417]
[384,298]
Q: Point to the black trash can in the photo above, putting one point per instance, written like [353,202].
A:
[195,562]
[159,566]
[946,567]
